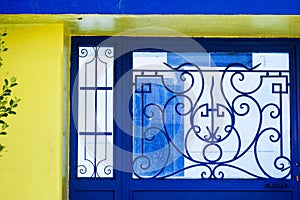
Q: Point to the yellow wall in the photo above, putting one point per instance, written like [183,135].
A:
[236,26]
[32,167]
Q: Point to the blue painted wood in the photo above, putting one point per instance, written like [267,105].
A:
[291,7]
[90,194]
[124,187]
[208,195]
[85,188]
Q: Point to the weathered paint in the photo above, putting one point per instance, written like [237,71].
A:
[284,26]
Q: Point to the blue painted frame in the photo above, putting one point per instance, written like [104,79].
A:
[122,185]
[290,7]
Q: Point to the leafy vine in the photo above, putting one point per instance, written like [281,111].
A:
[8,102]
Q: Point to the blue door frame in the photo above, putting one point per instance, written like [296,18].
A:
[123,186]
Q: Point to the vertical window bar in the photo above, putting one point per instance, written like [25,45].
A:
[95,108]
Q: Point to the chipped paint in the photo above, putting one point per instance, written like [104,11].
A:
[235,26]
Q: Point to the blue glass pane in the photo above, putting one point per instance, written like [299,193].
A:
[223,59]
[214,59]
[151,144]
[197,58]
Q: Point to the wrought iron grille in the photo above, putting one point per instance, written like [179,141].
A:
[95,108]
[212,122]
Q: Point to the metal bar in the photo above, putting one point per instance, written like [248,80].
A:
[96,88]
[95,133]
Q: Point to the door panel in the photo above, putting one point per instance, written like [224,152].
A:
[207,195]
[174,122]
[97,195]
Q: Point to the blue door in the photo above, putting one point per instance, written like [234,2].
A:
[178,118]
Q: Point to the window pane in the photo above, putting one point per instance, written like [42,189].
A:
[95,112]
[227,116]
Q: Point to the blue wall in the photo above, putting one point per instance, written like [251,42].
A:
[291,7]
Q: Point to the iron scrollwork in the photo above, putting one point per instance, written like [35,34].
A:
[221,123]
[94,138]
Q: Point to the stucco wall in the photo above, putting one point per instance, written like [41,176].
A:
[31,167]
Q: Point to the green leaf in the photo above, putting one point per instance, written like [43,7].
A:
[2,147]
[3,133]
[4,126]
[4,34]
[12,112]
[2,122]
[13,79]
[11,102]
[13,84]
[5,49]
[6,82]
[4,115]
